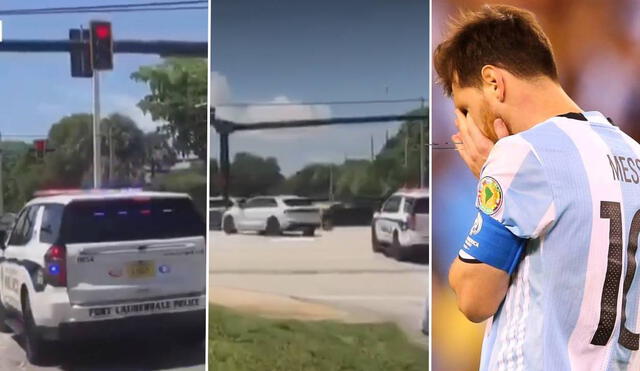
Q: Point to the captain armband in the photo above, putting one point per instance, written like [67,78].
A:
[492,243]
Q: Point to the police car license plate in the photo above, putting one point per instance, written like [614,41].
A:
[141,269]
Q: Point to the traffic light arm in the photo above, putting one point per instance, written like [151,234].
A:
[158,47]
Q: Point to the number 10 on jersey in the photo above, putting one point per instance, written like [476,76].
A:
[609,300]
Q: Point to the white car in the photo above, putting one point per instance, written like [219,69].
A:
[273,215]
[401,227]
[217,207]
[103,263]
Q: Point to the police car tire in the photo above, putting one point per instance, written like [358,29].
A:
[273,227]
[309,232]
[229,226]
[37,350]
[398,252]
[375,244]
[3,326]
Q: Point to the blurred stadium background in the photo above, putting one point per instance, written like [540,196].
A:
[597,48]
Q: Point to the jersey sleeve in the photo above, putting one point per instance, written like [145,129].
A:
[513,189]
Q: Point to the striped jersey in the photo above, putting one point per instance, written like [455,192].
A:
[571,187]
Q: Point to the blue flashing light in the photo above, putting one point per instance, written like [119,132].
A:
[98,213]
[54,269]
[122,213]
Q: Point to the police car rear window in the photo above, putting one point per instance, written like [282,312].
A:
[421,206]
[416,205]
[86,221]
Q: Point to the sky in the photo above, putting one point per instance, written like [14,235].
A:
[36,89]
[307,50]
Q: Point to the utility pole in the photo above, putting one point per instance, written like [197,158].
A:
[111,153]
[97,173]
[422,146]
[371,147]
[406,147]
[331,182]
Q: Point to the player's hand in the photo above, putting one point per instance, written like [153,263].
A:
[472,145]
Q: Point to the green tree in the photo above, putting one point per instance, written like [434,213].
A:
[70,164]
[13,183]
[312,181]
[159,154]
[178,97]
[122,136]
[253,175]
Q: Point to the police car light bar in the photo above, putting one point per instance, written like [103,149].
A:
[59,192]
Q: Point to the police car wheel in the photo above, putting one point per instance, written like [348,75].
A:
[309,232]
[3,326]
[229,226]
[375,244]
[37,350]
[398,252]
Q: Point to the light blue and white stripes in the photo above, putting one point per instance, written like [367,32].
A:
[554,177]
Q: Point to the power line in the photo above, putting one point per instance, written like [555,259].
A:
[122,10]
[118,10]
[318,103]
[173,5]
[125,5]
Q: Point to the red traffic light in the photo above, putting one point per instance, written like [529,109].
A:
[103,31]
[101,46]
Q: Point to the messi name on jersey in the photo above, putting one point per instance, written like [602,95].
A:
[625,169]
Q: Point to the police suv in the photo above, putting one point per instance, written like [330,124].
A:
[401,227]
[94,264]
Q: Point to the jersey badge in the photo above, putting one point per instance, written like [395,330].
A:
[489,195]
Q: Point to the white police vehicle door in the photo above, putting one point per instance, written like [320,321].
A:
[124,249]
[21,256]
[390,217]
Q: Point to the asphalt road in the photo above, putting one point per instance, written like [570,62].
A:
[336,268]
[118,354]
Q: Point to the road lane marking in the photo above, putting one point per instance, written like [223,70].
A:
[293,239]
[419,299]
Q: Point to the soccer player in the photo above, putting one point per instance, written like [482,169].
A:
[551,256]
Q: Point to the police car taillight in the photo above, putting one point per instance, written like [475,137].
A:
[55,262]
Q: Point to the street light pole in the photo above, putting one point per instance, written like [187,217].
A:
[97,173]
[111,153]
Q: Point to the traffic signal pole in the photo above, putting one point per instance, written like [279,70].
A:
[97,165]
[225,128]
[101,46]
[163,48]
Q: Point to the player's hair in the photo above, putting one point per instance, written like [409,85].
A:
[499,35]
